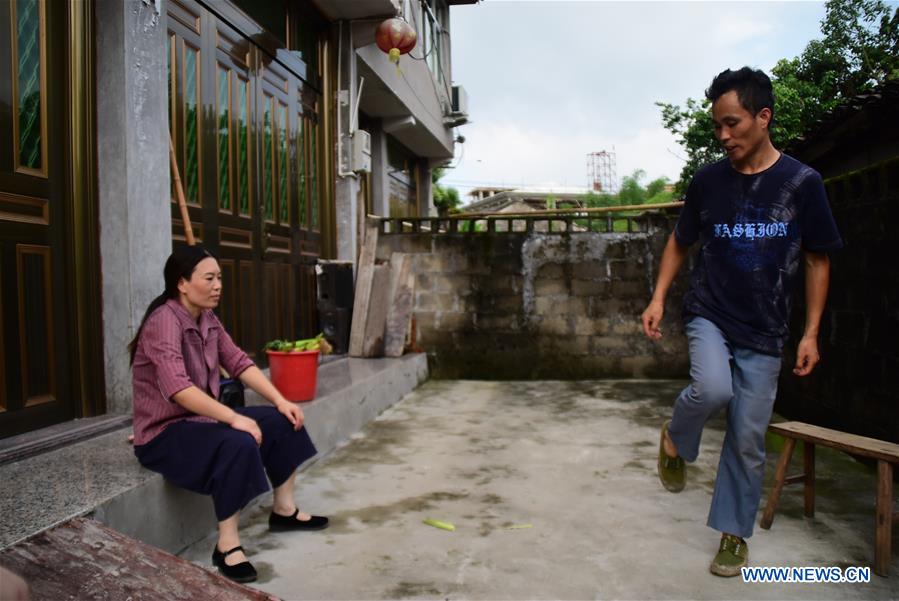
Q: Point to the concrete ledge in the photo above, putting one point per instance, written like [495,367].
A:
[352,392]
[100,477]
[158,513]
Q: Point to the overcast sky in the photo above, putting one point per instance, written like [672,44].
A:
[550,81]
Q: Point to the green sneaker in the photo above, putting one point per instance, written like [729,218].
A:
[672,470]
[733,554]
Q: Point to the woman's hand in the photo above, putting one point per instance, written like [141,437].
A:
[245,424]
[254,379]
[292,412]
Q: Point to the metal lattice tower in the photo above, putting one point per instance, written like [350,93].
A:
[601,174]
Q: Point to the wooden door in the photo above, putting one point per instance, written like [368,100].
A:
[35,383]
[250,167]
[279,272]
[236,169]
[308,233]
[402,178]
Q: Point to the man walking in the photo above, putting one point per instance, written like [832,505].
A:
[755,214]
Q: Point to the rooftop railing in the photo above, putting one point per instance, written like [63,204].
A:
[619,219]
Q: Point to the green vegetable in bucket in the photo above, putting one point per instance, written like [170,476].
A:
[319,343]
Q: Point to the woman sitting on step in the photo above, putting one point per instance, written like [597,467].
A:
[196,442]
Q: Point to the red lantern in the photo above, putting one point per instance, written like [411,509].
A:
[395,37]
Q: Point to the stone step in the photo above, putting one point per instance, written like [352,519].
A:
[82,559]
[350,393]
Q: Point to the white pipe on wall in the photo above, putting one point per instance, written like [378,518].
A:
[340,94]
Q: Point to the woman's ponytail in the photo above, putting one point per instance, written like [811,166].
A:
[155,304]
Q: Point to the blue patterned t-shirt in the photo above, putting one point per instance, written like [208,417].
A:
[752,230]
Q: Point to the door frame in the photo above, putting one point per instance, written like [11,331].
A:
[85,321]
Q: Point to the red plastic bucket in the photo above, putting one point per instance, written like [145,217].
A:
[294,374]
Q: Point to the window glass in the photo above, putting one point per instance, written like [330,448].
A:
[29,66]
[243,161]
[268,196]
[283,207]
[224,136]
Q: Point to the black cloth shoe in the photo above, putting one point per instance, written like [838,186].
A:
[283,523]
[241,572]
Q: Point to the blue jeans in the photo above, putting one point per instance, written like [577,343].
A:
[745,382]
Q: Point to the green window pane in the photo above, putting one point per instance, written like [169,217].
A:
[28,30]
[283,211]
[301,171]
[191,119]
[243,163]
[267,175]
[224,139]
[313,175]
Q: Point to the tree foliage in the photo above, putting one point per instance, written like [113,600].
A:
[445,199]
[632,192]
[594,200]
[859,50]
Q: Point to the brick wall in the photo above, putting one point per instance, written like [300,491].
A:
[519,305]
[856,386]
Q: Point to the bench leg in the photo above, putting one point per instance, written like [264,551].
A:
[809,460]
[780,474]
[884,524]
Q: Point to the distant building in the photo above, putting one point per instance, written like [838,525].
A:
[508,200]
[486,192]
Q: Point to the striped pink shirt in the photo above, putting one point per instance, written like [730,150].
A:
[173,353]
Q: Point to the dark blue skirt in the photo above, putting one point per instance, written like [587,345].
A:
[215,459]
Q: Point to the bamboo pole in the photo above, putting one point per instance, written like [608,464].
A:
[179,194]
[185,217]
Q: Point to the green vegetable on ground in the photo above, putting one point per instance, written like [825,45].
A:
[442,525]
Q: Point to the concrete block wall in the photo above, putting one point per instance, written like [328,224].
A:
[519,305]
[854,387]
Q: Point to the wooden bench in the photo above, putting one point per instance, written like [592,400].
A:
[886,454]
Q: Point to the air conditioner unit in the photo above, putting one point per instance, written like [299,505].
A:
[459,102]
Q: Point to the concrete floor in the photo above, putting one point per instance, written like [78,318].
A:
[576,462]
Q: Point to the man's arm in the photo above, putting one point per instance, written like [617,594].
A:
[817,279]
[672,260]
